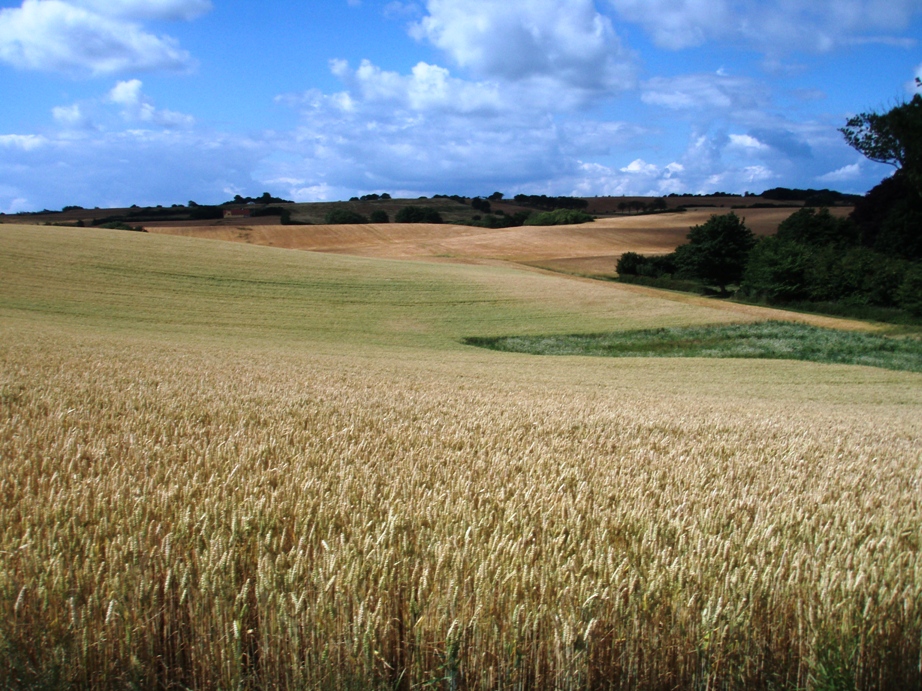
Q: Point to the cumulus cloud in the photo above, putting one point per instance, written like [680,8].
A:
[563,42]
[136,107]
[640,167]
[747,144]
[57,36]
[772,26]
[844,174]
[426,88]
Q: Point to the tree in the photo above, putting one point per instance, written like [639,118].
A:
[894,138]
[417,214]
[344,217]
[379,216]
[717,251]
[479,204]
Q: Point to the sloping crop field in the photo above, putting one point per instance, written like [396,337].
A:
[225,466]
[592,249]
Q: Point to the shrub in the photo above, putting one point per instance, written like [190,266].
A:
[344,217]
[814,227]
[629,264]
[910,293]
[717,251]
[776,271]
[559,217]
[417,214]
[480,205]
[380,216]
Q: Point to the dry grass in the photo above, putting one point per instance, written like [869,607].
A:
[186,504]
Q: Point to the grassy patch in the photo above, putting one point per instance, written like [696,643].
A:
[769,340]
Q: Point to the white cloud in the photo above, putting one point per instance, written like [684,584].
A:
[747,144]
[426,88]
[54,36]
[703,92]
[136,107]
[147,9]
[120,168]
[562,42]
[844,174]
[25,142]
[15,205]
[69,116]
[641,167]
[773,26]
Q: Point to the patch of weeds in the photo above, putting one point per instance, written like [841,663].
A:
[766,340]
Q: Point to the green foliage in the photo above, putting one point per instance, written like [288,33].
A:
[765,340]
[265,198]
[202,213]
[541,201]
[785,194]
[498,221]
[418,214]
[480,205]
[559,217]
[633,264]
[818,258]
[630,263]
[776,271]
[818,227]
[894,137]
[717,251]
[379,216]
[910,291]
[889,218]
[344,217]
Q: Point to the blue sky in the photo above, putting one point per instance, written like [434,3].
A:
[114,102]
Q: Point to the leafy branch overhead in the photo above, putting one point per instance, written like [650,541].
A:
[894,137]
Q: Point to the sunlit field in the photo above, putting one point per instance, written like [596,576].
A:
[226,466]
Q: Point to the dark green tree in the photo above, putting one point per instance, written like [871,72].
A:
[344,217]
[717,251]
[890,215]
[418,214]
[379,216]
[894,138]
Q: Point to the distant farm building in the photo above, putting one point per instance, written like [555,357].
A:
[237,213]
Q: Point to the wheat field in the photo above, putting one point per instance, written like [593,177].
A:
[226,467]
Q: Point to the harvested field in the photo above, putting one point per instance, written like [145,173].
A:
[229,466]
[590,249]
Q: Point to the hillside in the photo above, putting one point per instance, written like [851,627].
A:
[226,465]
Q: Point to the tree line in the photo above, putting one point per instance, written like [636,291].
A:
[871,258]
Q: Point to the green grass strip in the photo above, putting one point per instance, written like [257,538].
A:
[769,340]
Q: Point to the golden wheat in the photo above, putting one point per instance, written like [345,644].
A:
[233,467]
[196,519]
